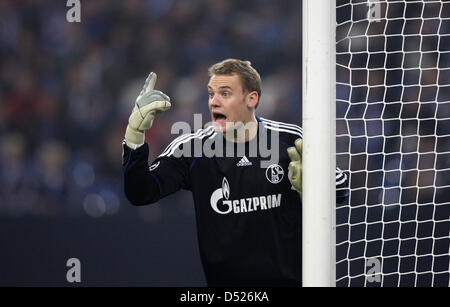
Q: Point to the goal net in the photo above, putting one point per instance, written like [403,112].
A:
[393,140]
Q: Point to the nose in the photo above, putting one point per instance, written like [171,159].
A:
[214,101]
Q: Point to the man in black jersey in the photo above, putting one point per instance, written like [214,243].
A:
[247,203]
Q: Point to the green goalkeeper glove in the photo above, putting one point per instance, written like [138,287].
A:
[295,166]
[149,103]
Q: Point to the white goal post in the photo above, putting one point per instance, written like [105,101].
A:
[319,160]
[376,103]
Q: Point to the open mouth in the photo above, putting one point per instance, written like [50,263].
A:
[219,116]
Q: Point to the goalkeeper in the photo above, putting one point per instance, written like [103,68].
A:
[248,217]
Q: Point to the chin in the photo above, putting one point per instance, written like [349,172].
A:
[219,127]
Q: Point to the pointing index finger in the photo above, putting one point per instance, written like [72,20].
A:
[150,82]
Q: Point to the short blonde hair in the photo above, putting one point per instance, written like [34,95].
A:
[250,78]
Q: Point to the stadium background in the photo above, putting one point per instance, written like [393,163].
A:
[66,91]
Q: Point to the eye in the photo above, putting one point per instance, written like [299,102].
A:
[210,94]
[225,94]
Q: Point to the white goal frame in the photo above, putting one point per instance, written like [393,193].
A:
[319,143]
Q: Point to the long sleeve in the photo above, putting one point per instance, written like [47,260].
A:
[146,184]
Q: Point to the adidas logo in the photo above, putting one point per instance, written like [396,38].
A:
[244,162]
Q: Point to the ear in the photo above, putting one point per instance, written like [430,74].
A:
[252,99]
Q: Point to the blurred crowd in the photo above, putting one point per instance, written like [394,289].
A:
[67,89]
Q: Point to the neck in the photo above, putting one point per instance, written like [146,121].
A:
[244,132]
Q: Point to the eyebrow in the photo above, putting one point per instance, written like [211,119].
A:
[221,88]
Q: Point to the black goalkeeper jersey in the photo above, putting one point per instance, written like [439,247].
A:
[248,215]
